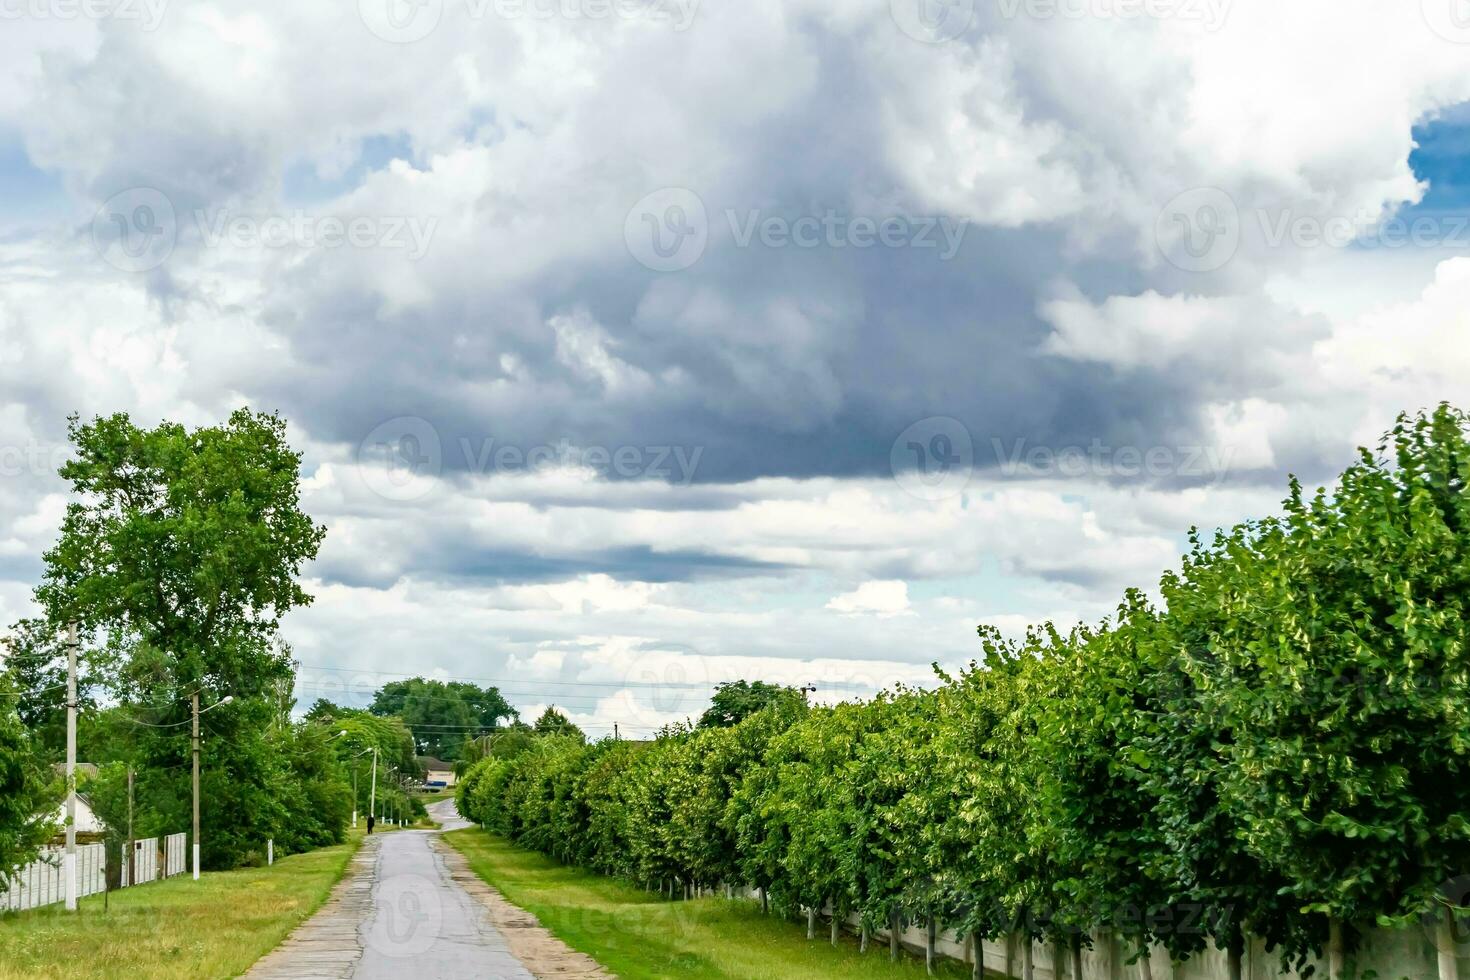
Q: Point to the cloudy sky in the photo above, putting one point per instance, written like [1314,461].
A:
[636,345]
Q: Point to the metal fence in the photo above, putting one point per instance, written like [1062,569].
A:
[42,883]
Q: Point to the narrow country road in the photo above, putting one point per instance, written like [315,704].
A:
[408,907]
[424,924]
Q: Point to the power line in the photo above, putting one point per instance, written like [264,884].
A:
[44,690]
[509,680]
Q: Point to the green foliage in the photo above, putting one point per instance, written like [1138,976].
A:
[28,795]
[553,722]
[443,716]
[1283,741]
[190,541]
[1328,650]
[183,549]
[734,701]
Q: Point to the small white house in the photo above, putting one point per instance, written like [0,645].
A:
[87,820]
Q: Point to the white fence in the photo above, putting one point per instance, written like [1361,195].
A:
[144,866]
[41,882]
[173,847]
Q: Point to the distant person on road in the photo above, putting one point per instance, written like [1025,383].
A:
[371,821]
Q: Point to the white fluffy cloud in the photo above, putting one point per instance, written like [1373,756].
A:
[1113,396]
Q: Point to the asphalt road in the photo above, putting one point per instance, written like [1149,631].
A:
[398,913]
[423,924]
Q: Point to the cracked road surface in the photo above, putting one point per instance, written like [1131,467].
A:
[399,912]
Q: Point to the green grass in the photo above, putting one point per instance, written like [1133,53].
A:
[637,935]
[177,929]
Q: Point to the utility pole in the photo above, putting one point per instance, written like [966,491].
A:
[132,863]
[807,690]
[354,794]
[194,704]
[373,792]
[616,736]
[70,872]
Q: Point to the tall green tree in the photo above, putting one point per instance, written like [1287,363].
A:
[443,716]
[191,540]
[184,547]
[554,722]
[734,701]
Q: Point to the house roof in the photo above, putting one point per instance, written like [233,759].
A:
[83,769]
[429,762]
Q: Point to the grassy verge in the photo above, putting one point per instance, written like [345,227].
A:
[177,929]
[637,935]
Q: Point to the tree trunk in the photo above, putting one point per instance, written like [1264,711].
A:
[765,901]
[893,936]
[1010,954]
[1058,958]
[1077,957]
[1449,968]
[1028,968]
[1234,965]
[836,924]
[863,938]
[977,945]
[930,935]
[1336,951]
[811,922]
[1145,961]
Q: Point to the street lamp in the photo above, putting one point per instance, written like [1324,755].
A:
[393,803]
[194,704]
[374,751]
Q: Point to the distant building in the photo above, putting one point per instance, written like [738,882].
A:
[438,774]
[87,820]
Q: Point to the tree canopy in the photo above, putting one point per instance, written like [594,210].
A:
[734,701]
[443,715]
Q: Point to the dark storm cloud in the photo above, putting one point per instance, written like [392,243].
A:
[887,337]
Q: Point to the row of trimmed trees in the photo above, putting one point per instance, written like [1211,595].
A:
[1279,748]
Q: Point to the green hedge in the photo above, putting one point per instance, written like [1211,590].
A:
[1277,748]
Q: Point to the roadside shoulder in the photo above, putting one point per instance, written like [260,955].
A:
[530,942]
[326,946]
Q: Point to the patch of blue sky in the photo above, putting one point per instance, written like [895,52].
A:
[304,184]
[28,194]
[1442,157]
